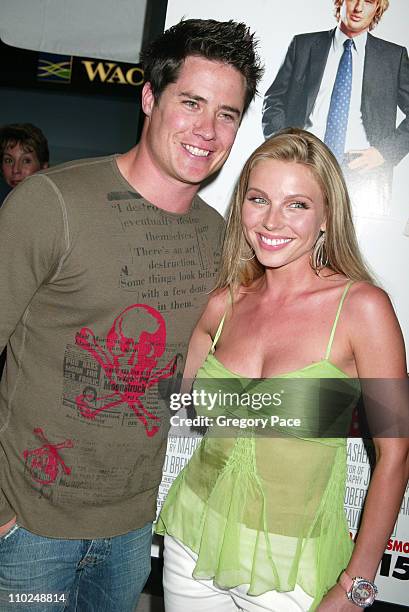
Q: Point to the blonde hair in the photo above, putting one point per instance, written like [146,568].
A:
[340,246]
[382,6]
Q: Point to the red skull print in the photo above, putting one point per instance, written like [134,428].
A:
[129,358]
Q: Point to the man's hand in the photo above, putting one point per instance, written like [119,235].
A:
[365,159]
[336,601]
[5,528]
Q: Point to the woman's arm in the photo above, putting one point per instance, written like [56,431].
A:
[202,336]
[379,352]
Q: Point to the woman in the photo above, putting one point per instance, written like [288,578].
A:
[23,152]
[260,520]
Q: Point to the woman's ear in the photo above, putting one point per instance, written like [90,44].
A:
[323,226]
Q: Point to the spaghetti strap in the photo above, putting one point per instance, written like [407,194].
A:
[334,326]
[217,334]
[220,327]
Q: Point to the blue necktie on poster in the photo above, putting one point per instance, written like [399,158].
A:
[337,121]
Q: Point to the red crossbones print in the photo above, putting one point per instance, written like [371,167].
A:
[44,462]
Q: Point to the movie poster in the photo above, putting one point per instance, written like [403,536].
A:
[289,95]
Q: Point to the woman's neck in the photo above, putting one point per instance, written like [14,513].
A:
[290,280]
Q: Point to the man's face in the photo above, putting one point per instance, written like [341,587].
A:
[356,16]
[17,164]
[192,127]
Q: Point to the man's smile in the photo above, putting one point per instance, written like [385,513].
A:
[196,151]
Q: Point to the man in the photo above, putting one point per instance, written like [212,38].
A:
[105,267]
[357,119]
[23,151]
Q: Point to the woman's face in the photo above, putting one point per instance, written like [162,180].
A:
[283,212]
[18,163]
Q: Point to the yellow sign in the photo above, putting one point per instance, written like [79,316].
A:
[109,72]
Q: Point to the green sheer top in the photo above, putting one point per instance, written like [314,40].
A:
[267,511]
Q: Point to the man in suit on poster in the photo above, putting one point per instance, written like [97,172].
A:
[345,86]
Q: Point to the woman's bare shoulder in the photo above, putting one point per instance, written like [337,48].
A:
[366,300]
[219,299]
[375,334]
[217,305]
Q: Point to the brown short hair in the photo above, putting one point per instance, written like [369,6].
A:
[229,42]
[28,136]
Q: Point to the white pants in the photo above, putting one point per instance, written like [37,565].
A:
[185,594]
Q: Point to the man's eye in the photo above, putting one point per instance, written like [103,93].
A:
[190,103]
[227,116]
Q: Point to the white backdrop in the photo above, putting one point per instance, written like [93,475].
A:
[382,239]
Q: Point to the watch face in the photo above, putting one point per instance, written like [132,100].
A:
[363,593]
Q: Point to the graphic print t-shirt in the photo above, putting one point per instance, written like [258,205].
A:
[101,291]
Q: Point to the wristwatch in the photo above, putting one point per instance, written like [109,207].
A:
[360,591]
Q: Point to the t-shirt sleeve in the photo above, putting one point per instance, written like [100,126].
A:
[33,238]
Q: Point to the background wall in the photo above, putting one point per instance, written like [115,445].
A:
[77,125]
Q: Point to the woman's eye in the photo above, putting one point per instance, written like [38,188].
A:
[257,200]
[298,205]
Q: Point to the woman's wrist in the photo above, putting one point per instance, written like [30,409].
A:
[359,590]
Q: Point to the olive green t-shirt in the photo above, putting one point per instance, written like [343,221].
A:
[100,291]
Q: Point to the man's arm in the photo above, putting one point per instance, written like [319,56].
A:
[32,241]
[394,148]
[275,100]
[391,149]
